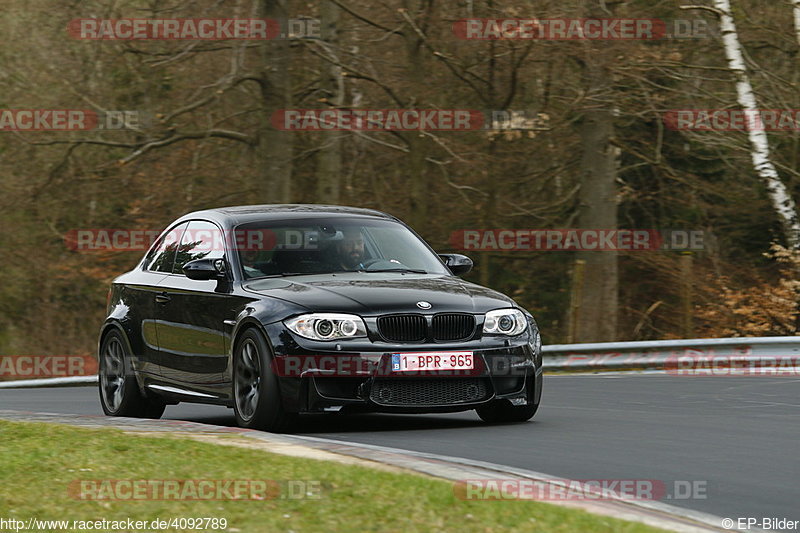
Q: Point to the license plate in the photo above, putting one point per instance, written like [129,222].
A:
[408,362]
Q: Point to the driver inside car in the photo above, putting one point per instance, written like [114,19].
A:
[250,260]
[350,250]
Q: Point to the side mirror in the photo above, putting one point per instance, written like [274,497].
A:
[205,269]
[457,263]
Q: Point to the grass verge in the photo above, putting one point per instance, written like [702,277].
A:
[40,462]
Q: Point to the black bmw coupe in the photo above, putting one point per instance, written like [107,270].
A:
[279,310]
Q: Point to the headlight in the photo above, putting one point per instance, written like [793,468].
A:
[327,326]
[505,322]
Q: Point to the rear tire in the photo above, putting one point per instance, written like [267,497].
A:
[257,401]
[119,391]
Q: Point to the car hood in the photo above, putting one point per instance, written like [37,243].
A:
[379,293]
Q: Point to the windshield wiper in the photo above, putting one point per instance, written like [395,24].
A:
[410,270]
[286,274]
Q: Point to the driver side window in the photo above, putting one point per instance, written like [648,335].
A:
[201,240]
[162,257]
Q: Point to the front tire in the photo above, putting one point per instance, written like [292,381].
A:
[257,399]
[119,391]
[501,411]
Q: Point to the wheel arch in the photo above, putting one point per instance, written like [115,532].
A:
[242,327]
[292,391]
[114,325]
[109,326]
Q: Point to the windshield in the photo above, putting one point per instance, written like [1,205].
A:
[326,245]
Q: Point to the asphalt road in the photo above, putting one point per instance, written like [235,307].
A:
[738,437]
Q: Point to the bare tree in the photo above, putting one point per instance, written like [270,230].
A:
[781,200]
[796,9]
[329,156]
[275,147]
[596,320]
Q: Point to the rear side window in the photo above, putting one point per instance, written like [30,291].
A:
[162,257]
[201,240]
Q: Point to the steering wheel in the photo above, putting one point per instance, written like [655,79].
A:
[369,262]
[383,264]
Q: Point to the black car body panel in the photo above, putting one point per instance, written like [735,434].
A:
[182,332]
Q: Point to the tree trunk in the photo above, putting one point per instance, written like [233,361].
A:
[782,202]
[796,9]
[329,157]
[419,189]
[275,146]
[596,320]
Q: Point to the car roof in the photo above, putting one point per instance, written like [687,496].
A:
[241,214]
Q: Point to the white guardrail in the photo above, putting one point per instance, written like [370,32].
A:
[69,381]
[732,356]
[739,355]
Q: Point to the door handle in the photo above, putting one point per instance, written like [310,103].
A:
[162,298]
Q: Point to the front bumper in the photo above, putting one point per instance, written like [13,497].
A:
[415,395]
[313,379]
